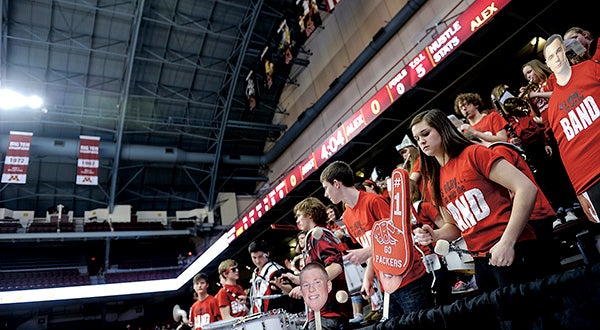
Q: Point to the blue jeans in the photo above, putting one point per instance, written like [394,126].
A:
[413,297]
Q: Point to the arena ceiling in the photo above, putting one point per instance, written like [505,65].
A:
[162,83]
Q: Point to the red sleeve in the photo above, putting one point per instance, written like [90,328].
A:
[428,213]
[215,310]
[417,165]
[326,250]
[497,121]
[508,154]
[222,298]
[380,208]
[483,158]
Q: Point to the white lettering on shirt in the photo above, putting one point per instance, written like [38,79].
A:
[469,208]
[580,118]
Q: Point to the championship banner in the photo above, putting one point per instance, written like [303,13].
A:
[17,157]
[87,164]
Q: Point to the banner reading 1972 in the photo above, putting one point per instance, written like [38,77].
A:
[445,43]
[17,157]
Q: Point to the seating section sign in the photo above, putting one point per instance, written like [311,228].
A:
[17,157]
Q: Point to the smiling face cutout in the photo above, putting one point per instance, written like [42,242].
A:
[315,286]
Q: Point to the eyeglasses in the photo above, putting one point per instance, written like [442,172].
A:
[233,269]
[315,285]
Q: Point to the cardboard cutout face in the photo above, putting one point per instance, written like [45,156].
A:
[389,282]
[315,287]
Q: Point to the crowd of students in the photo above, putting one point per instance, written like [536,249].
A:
[497,180]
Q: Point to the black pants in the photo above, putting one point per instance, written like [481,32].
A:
[527,266]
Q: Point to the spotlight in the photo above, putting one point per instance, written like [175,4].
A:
[12,100]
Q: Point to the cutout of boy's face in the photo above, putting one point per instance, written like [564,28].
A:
[389,282]
[315,288]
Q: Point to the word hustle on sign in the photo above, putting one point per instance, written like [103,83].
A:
[448,40]
[445,43]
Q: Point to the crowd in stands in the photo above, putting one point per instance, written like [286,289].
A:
[502,179]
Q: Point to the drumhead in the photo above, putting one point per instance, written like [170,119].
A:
[221,325]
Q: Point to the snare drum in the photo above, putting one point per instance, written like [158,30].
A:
[354,276]
[276,320]
[296,321]
[458,261]
[221,325]
[262,321]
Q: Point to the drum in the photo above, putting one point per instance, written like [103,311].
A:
[458,261]
[354,276]
[221,325]
[276,319]
[296,321]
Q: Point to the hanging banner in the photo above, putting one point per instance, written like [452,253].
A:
[17,157]
[87,164]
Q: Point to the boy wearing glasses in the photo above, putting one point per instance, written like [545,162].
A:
[231,297]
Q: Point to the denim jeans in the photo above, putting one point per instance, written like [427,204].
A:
[412,297]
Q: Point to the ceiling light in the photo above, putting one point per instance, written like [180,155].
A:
[13,100]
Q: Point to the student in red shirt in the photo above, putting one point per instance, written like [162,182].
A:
[206,309]
[231,297]
[363,209]
[482,197]
[488,126]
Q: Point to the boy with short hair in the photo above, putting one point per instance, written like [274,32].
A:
[231,297]
[206,309]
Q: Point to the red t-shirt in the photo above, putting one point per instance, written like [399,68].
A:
[228,296]
[573,113]
[542,208]
[491,123]
[359,221]
[481,208]
[204,312]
